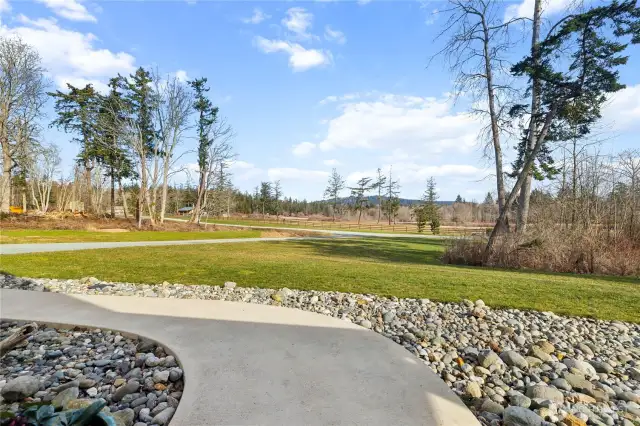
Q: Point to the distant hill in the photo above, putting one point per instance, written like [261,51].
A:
[403,201]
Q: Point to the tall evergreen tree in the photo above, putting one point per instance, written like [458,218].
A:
[140,98]
[140,101]
[77,113]
[277,193]
[392,201]
[266,194]
[332,192]
[359,197]
[381,180]
[207,116]
[428,211]
[111,119]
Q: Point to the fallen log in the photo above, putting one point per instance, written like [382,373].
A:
[19,336]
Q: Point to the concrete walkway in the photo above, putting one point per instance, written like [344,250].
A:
[46,247]
[251,364]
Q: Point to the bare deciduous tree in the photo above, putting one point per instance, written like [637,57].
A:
[22,95]
[173,109]
[41,170]
[219,154]
[477,51]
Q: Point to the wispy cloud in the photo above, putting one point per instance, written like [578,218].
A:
[334,35]
[300,58]
[73,10]
[257,17]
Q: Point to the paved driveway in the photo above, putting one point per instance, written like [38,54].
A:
[45,247]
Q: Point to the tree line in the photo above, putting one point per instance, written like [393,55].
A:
[130,135]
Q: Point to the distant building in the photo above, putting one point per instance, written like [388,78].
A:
[185,210]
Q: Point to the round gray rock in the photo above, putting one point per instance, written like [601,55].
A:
[20,388]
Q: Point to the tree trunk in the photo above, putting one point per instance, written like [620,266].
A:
[165,190]
[86,199]
[6,179]
[525,191]
[113,194]
[526,169]
[493,115]
[335,206]
[574,186]
[199,196]
[145,196]
[124,199]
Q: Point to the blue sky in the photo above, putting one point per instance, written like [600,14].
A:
[307,86]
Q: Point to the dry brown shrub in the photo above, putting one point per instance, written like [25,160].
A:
[592,250]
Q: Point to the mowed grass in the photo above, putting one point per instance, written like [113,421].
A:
[404,267]
[338,226]
[25,236]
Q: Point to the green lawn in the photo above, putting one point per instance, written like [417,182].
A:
[23,236]
[401,267]
[338,226]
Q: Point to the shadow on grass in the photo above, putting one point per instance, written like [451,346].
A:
[379,249]
[420,252]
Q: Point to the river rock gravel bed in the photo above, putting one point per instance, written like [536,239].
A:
[70,368]
[511,367]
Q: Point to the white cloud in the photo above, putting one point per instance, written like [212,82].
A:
[73,10]
[414,173]
[347,97]
[303,149]
[4,6]
[244,171]
[298,21]
[334,35]
[415,124]
[289,173]
[525,9]
[363,2]
[257,17]
[182,76]
[331,162]
[300,59]
[70,55]
[398,155]
[623,110]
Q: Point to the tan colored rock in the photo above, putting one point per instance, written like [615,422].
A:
[473,390]
[572,420]
[546,347]
[580,397]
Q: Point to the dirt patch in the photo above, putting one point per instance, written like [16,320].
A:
[99,224]
[274,233]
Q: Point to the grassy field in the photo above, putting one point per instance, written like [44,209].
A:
[23,236]
[401,267]
[343,226]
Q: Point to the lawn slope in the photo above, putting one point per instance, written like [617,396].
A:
[395,267]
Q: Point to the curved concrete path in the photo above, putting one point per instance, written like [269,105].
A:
[249,364]
[46,247]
